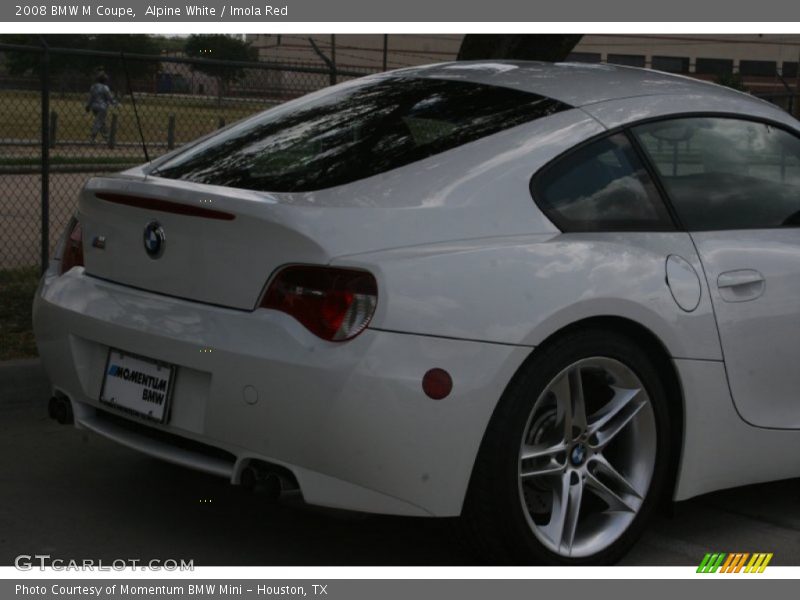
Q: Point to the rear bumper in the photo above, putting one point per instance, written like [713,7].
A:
[349,420]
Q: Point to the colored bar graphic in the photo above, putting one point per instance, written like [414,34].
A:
[703,563]
[734,562]
[758,563]
[727,567]
[741,562]
[711,562]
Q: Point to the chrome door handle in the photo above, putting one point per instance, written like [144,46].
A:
[741,285]
[731,279]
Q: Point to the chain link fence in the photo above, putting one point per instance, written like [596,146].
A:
[50,143]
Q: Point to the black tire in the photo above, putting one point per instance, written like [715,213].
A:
[493,522]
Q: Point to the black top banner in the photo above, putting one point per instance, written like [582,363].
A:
[474,11]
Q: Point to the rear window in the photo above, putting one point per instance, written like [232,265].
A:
[356,133]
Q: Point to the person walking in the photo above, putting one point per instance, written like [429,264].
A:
[100,99]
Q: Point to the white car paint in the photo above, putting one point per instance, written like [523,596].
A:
[350,420]
[471,276]
[755,288]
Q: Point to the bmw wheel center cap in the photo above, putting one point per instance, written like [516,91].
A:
[578,454]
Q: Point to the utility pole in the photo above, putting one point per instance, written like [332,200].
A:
[45,148]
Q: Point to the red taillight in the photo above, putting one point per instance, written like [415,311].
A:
[72,256]
[334,304]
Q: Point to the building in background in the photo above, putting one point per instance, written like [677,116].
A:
[702,55]
[765,65]
[373,52]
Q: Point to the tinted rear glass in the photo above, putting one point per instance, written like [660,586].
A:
[356,133]
[602,186]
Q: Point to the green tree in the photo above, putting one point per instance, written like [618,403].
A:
[75,68]
[540,46]
[220,47]
[28,63]
[131,44]
[731,80]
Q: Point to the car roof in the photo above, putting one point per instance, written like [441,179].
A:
[576,84]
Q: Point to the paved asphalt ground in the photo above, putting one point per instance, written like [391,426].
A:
[77,497]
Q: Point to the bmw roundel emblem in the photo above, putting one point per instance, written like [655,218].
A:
[154,239]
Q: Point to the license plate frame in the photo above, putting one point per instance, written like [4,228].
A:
[149,368]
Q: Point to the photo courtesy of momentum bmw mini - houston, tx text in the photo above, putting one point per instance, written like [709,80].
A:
[531,295]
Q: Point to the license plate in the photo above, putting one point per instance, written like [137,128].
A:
[137,385]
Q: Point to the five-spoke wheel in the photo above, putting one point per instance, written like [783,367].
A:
[576,455]
[587,456]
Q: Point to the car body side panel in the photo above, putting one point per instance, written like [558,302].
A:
[720,450]
[759,323]
[520,290]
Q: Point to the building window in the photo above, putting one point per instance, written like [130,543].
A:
[789,69]
[584,57]
[628,60]
[713,66]
[758,68]
[671,64]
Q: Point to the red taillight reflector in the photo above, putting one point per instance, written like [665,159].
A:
[334,304]
[437,384]
[72,255]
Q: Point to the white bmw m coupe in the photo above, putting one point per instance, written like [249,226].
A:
[542,297]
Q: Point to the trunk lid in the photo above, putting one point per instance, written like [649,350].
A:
[217,248]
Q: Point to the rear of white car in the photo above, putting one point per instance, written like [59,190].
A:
[224,328]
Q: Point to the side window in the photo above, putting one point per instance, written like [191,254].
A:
[724,173]
[602,186]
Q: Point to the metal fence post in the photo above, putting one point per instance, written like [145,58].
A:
[53,128]
[112,133]
[45,143]
[385,51]
[171,132]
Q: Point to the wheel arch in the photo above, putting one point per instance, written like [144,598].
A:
[658,353]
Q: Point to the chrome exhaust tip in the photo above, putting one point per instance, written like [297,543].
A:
[60,409]
[267,480]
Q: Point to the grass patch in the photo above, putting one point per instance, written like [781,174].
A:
[20,116]
[17,287]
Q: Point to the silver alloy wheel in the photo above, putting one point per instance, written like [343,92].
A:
[587,457]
